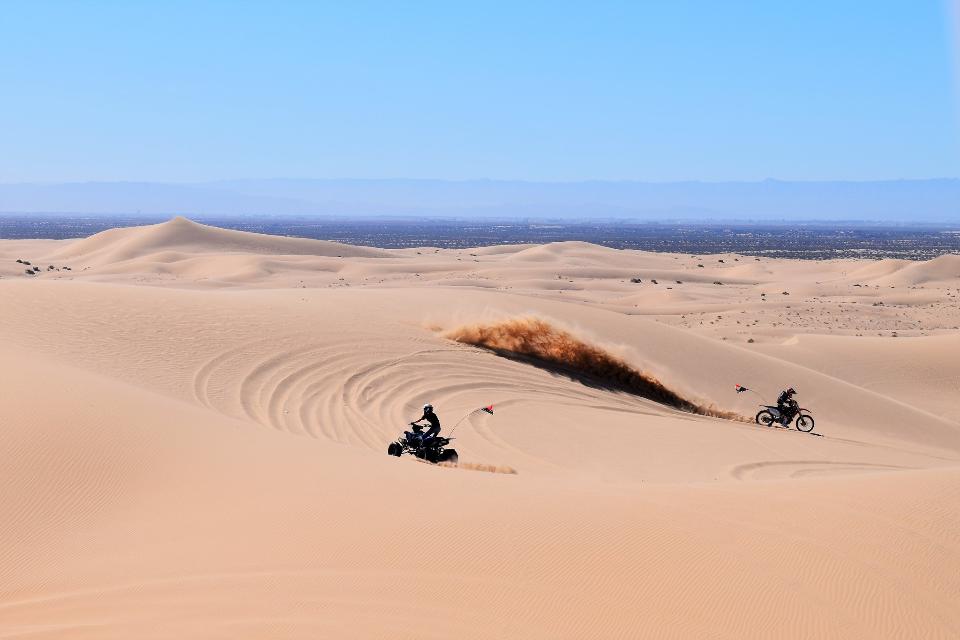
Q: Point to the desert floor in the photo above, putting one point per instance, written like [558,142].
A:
[194,422]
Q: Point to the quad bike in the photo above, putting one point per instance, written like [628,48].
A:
[770,415]
[429,449]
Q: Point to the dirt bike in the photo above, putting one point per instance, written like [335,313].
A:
[429,449]
[770,415]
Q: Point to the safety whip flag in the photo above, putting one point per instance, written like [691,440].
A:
[486,409]
[741,388]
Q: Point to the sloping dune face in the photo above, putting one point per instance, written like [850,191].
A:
[205,456]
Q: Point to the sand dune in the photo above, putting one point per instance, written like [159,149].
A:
[204,457]
[944,269]
[183,235]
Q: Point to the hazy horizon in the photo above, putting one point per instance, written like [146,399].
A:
[896,201]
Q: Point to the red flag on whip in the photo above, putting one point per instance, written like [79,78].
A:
[488,409]
[741,389]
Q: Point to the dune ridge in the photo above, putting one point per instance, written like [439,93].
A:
[181,237]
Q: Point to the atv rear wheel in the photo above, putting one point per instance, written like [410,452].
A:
[765,418]
[449,455]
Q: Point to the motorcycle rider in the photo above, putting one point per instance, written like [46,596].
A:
[787,406]
[430,417]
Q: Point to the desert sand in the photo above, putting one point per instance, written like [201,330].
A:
[194,423]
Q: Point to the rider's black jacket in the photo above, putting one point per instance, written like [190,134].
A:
[434,421]
[785,402]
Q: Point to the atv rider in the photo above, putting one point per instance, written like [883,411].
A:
[430,417]
[787,406]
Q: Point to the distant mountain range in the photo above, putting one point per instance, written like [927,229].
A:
[769,200]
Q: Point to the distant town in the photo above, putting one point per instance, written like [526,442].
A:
[813,241]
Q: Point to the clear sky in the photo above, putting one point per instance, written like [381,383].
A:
[665,90]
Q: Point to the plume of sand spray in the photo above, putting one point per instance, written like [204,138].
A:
[536,340]
[479,466]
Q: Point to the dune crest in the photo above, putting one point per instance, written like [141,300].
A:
[189,237]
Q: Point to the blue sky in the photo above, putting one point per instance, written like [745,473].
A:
[655,91]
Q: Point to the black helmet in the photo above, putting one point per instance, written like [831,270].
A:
[791,391]
[428,408]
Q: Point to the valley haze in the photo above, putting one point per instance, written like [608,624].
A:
[770,200]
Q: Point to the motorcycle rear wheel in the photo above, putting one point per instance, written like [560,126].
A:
[765,418]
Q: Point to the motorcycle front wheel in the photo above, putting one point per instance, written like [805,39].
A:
[805,424]
[765,418]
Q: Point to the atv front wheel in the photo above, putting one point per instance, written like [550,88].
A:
[394,449]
